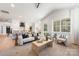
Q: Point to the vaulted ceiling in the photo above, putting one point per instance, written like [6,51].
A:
[28,12]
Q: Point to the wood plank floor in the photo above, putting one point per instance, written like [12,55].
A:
[6,43]
[56,50]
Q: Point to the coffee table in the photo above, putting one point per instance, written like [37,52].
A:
[38,47]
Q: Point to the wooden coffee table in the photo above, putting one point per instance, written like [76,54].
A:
[38,47]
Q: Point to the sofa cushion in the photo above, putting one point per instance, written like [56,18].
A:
[28,39]
[24,36]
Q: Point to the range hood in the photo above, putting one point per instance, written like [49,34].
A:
[5,11]
[5,16]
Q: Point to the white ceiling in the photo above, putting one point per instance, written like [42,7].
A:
[28,12]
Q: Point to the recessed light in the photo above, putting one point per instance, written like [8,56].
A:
[12,5]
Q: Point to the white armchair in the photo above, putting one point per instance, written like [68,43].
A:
[62,39]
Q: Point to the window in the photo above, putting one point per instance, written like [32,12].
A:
[45,29]
[65,25]
[57,26]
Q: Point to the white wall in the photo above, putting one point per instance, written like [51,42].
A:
[3,24]
[54,16]
[75,25]
[15,25]
[73,14]
[48,21]
[60,14]
[36,27]
[33,27]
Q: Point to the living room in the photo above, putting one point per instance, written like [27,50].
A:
[53,25]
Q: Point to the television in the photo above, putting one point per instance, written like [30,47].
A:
[22,24]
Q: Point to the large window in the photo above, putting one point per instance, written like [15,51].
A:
[65,25]
[62,26]
[56,26]
[45,29]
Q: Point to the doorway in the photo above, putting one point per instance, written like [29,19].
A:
[8,30]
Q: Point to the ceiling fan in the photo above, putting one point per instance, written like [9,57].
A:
[37,5]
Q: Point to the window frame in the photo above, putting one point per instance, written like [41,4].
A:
[65,26]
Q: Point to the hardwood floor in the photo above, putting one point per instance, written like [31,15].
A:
[6,43]
[56,50]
